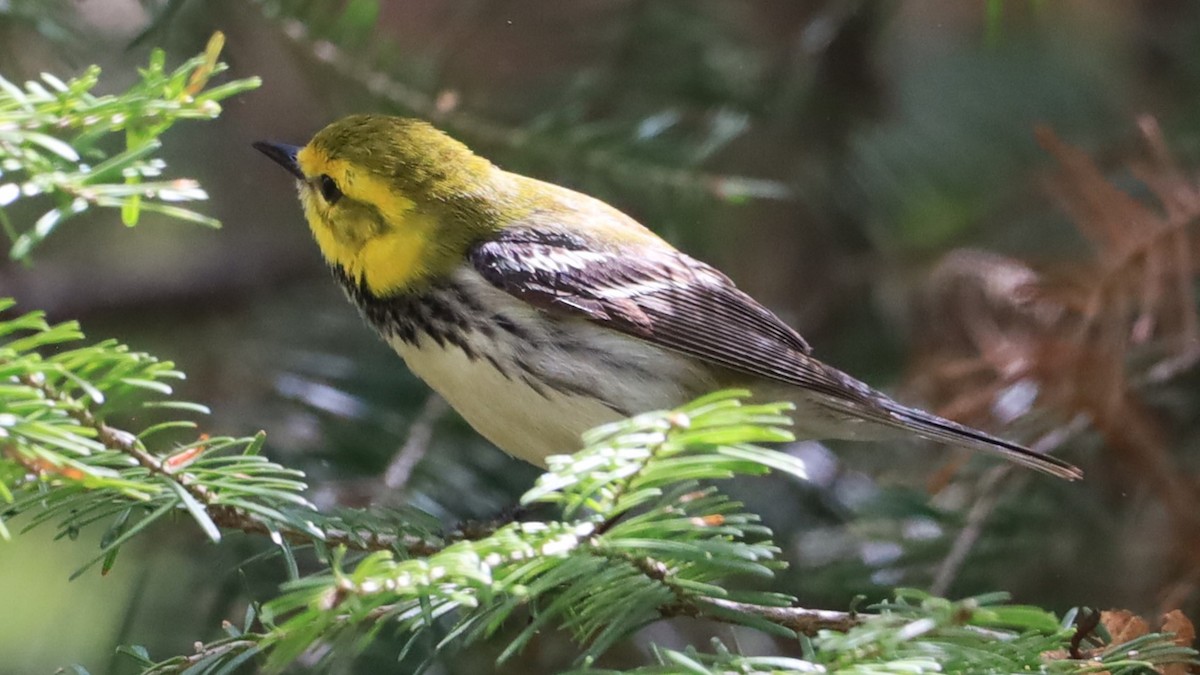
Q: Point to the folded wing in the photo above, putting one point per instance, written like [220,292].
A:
[665,297]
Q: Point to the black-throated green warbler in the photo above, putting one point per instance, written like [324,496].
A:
[539,312]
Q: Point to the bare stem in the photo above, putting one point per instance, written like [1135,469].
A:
[987,497]
[800,620]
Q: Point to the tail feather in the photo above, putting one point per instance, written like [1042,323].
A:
[861,402]
[939,429]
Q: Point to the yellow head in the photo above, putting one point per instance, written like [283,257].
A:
[393,202]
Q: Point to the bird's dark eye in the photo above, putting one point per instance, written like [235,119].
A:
[329,189]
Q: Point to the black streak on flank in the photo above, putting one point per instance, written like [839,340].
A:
[432,313]
[447,314]
[444,313]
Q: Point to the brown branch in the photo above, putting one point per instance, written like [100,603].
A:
[203,652]
[800,620]
[117,440]
[986,499]
[1143,258]
[420,432]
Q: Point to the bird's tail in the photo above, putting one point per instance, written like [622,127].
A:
[855,399]
[942,430]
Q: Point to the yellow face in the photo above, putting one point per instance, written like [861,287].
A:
[393,202]
[364,224]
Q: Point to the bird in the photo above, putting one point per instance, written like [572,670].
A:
[538,312]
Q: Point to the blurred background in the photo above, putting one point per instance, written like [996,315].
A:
[870,170]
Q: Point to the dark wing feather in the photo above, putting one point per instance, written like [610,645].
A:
[665,297]
[659,295]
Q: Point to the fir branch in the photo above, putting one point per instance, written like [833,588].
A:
[74,392]
[669,549]
[64,461]
[631,475]
[53,136]
[912,633]
[115,439]
[333,534]
[629,469]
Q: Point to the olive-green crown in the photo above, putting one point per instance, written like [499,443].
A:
[416,158]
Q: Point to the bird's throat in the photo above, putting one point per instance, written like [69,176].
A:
[386,263]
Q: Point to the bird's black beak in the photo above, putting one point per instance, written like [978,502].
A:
[283,154]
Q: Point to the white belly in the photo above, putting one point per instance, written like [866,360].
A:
[559,390]
[508,412]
